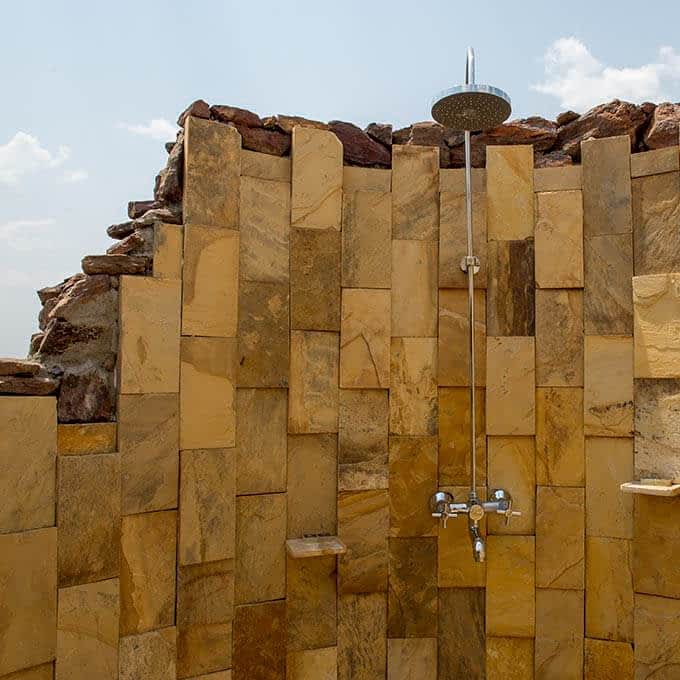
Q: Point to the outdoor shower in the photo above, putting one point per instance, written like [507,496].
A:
[471,108]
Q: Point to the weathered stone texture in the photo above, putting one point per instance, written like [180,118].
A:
[355,178]
[566,178]
[312,664]
[151,656]
[412,658]
[509,658]
[77,439]
[654,162]
[657,637]
[260,641]
[606,660]
[167,251]
[264,166]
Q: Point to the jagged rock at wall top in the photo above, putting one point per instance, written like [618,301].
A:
[566,117]
[381,132]
[358,147]
[401,136]
[552,159]
[128,245]
[138,208]
[264,140]
[232,114]
[170,214]
[199,109]
[664,126]
[121,231]
[86,395]
[286,124]
[168,187]
[115,265]
[28,386]
[18,367]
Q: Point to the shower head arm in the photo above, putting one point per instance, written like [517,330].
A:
[470,67]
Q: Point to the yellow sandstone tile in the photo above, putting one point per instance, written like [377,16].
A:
[167,251]
[80,438]
[509,658]
[265,166]
[654,162]
[657,637]
[366,179]
[565,178]
[151,656]
[409,658]
[607,660]
[313,664]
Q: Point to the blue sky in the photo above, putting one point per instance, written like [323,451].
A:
[82,83]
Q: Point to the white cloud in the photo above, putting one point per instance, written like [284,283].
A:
[26,235]
[158,128]
[580,81]
[24,154]
[74,176]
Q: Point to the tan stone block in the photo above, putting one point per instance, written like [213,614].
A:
[312,484]
[205,611]
[311,603]
[363,525]
[147,579]
[87,632]
[454,435]
[210,277]
[414,288]
[366,179]
[263,337]
[222,675]
[265,230]
[415,188]
[559,634]
[88,517]
[411,658]
[461,633]
[42,672]
[510,386]
[606,186]
[362,440]
[607,299]
[82,438]
[453,180]
[149,334]
[151,656]
[456,565]
[509,659]
[657,637]
[316,201]
[606,660]
[510,581]
[656,215]
[313,393]
[559,239]
[560,537]
[167,251]
[510,291]
[362,648]
[564,178]
[656,545]
[149,450]
[260,547]
[656,301]
[261,441]
[28,448]
[560,444]
[608,386]
[313,664]
[206,509]
[212,168]
[365,338]
[265,166]
[609,463]
[28,592]
[511,466]
[510,192]
[366,237]
[657,431]
[260,641]
[454,329]
[207,408]
[413,389]
[609,588]
[413,477]
[654,162]
[453,238]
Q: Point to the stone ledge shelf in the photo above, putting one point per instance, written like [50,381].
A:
[315,546]
[651,489]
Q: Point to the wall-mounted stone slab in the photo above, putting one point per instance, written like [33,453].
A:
[365,338]
[654,162]
[207,408]
[206,510]
[510,386]
[42,672]
[210,281]
[88,517]
[313,664]
[260,541]
[28,448]
[657,636]
[148,440]
[151,656]
[167,250]
[562,178]
[510,288]
[366,238]
[559,239]
[412,658]
[260,641]
[149,334]
[212,168]
[355,178]
[606,186]
[510,192]
[608,660]
[87,631]
[454,325]
[265,166]
[509,658]
[453,180]
[313,393]
[414,288]
[83,438]
[415,189]
[28,592]
[265,230]
[560,456]
[147,577]
[413,389]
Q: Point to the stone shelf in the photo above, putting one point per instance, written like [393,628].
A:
[315,546]
[651,489]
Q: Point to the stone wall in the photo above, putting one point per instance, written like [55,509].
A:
[291,360]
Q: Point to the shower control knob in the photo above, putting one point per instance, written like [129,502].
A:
[510,513]
[470,261]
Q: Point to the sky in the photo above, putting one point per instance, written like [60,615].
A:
[91,91]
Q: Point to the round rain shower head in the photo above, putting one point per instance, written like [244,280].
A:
[471,107]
